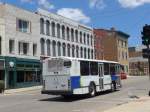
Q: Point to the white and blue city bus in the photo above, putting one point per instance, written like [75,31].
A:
[74,76]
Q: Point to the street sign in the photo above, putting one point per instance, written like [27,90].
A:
[146,53]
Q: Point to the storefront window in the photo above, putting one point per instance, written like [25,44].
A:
[27,76]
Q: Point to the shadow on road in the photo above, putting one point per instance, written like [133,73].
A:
[73,98]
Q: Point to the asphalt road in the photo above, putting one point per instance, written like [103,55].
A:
[33,101]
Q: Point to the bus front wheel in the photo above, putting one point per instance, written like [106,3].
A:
[92,90]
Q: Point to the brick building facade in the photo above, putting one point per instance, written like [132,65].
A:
[113,46]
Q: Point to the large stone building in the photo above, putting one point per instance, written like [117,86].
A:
[137,64]
[112,45]
[26,37]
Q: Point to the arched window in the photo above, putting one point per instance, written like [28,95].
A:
[84,36]
[68,34]
[54,48]
[41,26]
[77,51]
[76,35]
[58,30]
[48,48]
[88,39]
[73,49]
[72,35]
[80,37]
[53,29]
[88,53]
[59,48]
[42,41]
[68,49]
[81,52]
[63,32]
[91,54]
[85,53]
[47,27]
[64,49]
[91,40]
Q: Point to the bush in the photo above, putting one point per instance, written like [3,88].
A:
[2,87]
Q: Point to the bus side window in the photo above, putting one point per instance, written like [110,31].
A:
[94,68]
[112,68]
[84,68]
[106,69]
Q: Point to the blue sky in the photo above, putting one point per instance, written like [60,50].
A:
[125,15]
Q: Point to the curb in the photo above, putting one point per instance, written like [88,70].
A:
[13,91]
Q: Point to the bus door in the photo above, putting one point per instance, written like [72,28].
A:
[101,76]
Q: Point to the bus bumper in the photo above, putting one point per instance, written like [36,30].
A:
[56,92]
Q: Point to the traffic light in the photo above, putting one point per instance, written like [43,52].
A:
[146,35]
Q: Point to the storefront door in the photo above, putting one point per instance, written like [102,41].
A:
[11,79]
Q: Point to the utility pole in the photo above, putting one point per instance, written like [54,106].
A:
[146,41]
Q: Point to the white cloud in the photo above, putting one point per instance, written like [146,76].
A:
[42,3]
[74,14]
[99,4]
[132,3]
[46,4]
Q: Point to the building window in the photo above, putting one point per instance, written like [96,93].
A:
[42,41]
[73,51]
[11,46]
[126,54]
[54,48]
[122,55]
[85,53]
[23,26]
[23,48]
[77,51]
[64,49]
[47,28]
[48,48]
[76,35]
[59,48]
[81,52]
[88,39]
[91,54]
[72,35]
[91,40]
[41,26]
[88,53]
[68,35]
[84,38]
[58,30]
[53,29]
[63,32]
[68,47]
[80,37]
[34,49]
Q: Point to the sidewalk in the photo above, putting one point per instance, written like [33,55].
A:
[139,105]
[19,90]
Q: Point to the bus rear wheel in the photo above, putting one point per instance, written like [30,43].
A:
[92,90]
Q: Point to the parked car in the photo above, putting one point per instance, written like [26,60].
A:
[123,75]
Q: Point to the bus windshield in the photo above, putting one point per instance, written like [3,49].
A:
[58,64]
